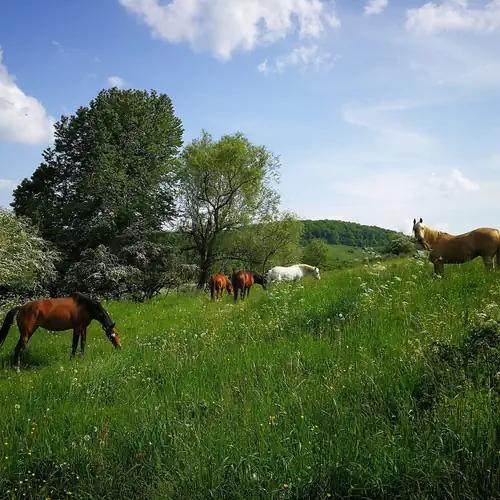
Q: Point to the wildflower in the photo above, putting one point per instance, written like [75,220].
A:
[17,407]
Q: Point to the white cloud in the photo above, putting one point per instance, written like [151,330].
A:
[7,184]
[375,6]
[302,57]
[116,81]
[467,62]
[454,15]
[22,117]
[392,197]
[392,136]
[454,183]
[224,26]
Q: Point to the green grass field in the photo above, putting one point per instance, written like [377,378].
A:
[329,390]
[342,254]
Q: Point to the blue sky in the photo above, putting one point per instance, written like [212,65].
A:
[381,111]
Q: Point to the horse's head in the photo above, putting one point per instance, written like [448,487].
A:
[229,285]
[112,334]
[419,231]
[108,325]
[260,279]
[315,273]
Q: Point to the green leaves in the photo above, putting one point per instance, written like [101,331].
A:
[222,186]
[112,165]
[316,253]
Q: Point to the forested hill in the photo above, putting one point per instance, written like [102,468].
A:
[337,232]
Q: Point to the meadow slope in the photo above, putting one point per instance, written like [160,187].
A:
[330,390]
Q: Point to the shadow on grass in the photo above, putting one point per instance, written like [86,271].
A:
[29,362]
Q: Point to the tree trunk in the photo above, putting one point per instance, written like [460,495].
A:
[206,269]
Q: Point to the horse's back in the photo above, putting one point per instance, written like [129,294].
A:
[284,272]
[51,314]
[454,249]
[242,278]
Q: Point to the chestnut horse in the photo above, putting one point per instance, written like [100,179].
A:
[446,248]
[74,312]
[219,283]
[244,280]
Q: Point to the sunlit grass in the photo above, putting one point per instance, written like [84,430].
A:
[315,391]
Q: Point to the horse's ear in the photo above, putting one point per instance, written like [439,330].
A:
[421,220]
[414,221]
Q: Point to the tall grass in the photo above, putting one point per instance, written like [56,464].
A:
[328,390]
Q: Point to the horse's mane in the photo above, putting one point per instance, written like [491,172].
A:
[306,266]
[435,232]
[92,305]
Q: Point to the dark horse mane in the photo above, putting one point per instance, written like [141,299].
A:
[94,306]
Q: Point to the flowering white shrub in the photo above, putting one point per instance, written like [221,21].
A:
[27,262]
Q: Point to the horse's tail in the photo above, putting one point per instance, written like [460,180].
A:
[497,253]
[7,323]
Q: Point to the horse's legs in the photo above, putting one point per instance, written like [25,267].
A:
[488,263]
[76,336]
[438,268]
[27,327]
[235,293]
[83,339]
[23,340]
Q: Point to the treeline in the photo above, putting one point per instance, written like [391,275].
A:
[336,232]
[120,206]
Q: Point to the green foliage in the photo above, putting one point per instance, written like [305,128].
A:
[316,253]
[27,261]
[223,185]
[111,167]
[334,389]
[273,241]
[400,244]
[138,272]
[337,232]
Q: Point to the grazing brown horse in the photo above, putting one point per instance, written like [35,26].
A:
[219,283]
[445,248]
[74,312]
[244,280]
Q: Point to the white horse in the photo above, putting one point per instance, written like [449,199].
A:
[291,273]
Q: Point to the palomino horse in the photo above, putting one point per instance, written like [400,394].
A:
[74,312]
[291,273]
[219,283]
[244,280]
[445,248]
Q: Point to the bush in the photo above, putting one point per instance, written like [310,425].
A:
[27,261]
[316,253]
[137,272]
[400,245]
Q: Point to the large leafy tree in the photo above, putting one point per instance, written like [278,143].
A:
[223,185]
[273,241]
[111,167]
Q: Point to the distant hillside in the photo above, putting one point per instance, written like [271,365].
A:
[337,232]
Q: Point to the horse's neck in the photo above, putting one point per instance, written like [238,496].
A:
[306,269]
[432,236]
